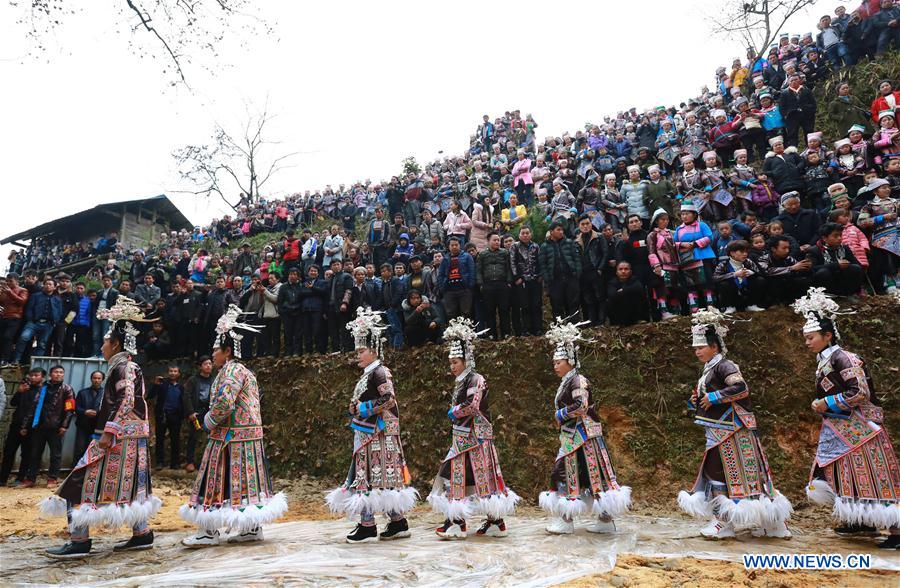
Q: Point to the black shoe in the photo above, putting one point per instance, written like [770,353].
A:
[846,530]
[395,530]
[892,542]
[136,543]
[72,549]
[363,534]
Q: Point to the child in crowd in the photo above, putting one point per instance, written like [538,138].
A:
[765,198]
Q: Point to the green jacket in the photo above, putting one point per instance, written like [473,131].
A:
[659,195]
[570,256]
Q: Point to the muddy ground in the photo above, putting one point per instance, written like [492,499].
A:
[654,546]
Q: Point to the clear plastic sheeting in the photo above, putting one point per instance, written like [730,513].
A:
[314,553]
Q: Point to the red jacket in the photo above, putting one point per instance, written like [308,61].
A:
[13,301]
[291,250]
[880,104]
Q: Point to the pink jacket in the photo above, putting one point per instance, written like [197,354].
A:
[854,238]
[480,227]
[522,171]
[457,224]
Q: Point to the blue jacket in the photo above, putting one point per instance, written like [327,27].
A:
[83,316]
[37,300]
[466,268]
[313,299]
[688,234]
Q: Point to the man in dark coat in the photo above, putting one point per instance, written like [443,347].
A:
[87,403]
[798,108]
[560,264]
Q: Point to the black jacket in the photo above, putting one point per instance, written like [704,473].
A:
[804,226]
[87,399]
[156,392]
[111,296]
[339,290]
[596,255]
[799,103]
[829,258]
[785,171]
[290,298]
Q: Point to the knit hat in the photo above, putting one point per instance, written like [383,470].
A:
[461,334]
[689,206]
[739,152]
[631,168]
[884,113]
[856,127]
[710,155]
[686,158]
[776,140]
[816,136]
[837,191]
[718,112]
[788,195]
[653,168]
[566,336]
[608,176]
[656,214]
[840,143]
[765,95]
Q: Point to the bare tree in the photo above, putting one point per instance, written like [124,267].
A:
[231,162]
[756,23]
[176,33]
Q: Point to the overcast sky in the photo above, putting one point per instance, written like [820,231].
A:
[357,87]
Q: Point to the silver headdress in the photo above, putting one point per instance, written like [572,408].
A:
[461,335]
[709,321]
[122,315]
[367,329]
[565,336]
[819,310]
[229,325]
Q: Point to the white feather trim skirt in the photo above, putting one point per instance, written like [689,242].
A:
[610,503]
[881,514]
[243,518]
[351,502]
[494,507]
[761,512]
[111,516]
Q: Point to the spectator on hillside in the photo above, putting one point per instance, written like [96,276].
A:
[626,299]
[798,107]
[23,402]
[290,308]
[46,422]
[800,223]
[169,411]
[270,338]
[493,275]
[147,293]
[422,323]
[195,404]
[315,293]
[13,301]
[42,313]
[87,405]
[79,336]
[456,280]
[560,266]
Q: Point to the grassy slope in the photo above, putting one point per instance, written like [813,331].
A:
[642,377]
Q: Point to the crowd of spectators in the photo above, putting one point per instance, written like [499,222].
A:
[644,216]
